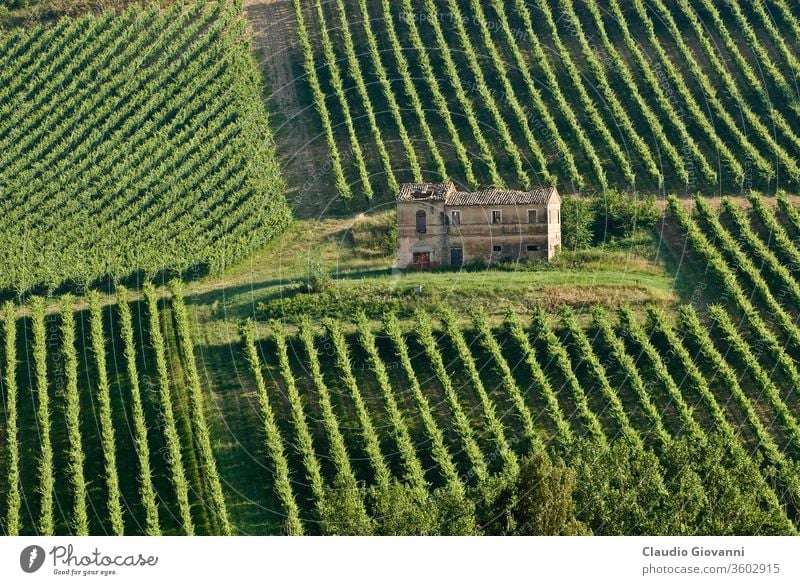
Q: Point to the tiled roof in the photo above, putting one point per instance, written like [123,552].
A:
[500,197]
[446,192]
[425,191]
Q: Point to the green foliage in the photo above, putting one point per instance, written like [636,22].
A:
[578,218]
[46,470]
[556,350]
[587,354]
[14,497]
[197,407]
[414,471]
[463,425]
[495,427]
[726,276]
[305,442]
[146,489]
[619,489]
[781,275]
[342,186]
[318,280]
[628,365]
[174,457]
[283,484]
[337,80]
[738,259]
[542,383]
[764,380]
[344,512]
[522,66]
[698,332]
[540,502]
[178,93]
[652,87]
[489,342]
[716,490]
[372,445]
[106,423]
[355,71]
[620,214]
[440,452]
[605,218]
[394,107]
[612,102]
[76,457]
[469,48]
[342,302]
[374,234]
[596,120]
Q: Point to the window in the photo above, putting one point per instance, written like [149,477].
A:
[559,215]
[455,217]
[497,216]
[497,248]
[532,248]
[422,222]
[533,216]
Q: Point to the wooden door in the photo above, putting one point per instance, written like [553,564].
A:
[421,260]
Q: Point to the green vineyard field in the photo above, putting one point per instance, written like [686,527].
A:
[132,143]
[683,96]
[346,427]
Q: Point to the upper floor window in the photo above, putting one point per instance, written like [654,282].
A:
[422,222]
[558,212]
[497,216]
[533,216]
[455,217]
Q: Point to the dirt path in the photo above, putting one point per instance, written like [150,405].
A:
[302,151]
[272,26]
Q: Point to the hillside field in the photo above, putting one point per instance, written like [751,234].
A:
[202,330]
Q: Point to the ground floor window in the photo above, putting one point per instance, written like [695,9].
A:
[497,248]
[421,259]
[532,248]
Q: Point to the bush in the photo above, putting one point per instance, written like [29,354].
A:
[318,280]
[540,501]
[619,214]
[578,216]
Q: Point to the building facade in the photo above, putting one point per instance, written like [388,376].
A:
[438,225]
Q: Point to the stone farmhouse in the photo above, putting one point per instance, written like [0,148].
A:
[439,225]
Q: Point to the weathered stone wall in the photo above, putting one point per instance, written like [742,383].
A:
[476,234]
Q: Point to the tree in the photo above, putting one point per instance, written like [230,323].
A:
[620,489]
[539,503]
[578,216]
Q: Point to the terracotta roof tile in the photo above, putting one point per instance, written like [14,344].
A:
[446,192]
[425,191]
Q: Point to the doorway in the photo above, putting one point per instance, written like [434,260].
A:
[421,260]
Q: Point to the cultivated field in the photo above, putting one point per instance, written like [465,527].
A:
[120,419]
[681,95]
[132,143]
[179,356]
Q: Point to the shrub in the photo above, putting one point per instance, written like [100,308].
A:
[619,214]
[578,217]
[318,280]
